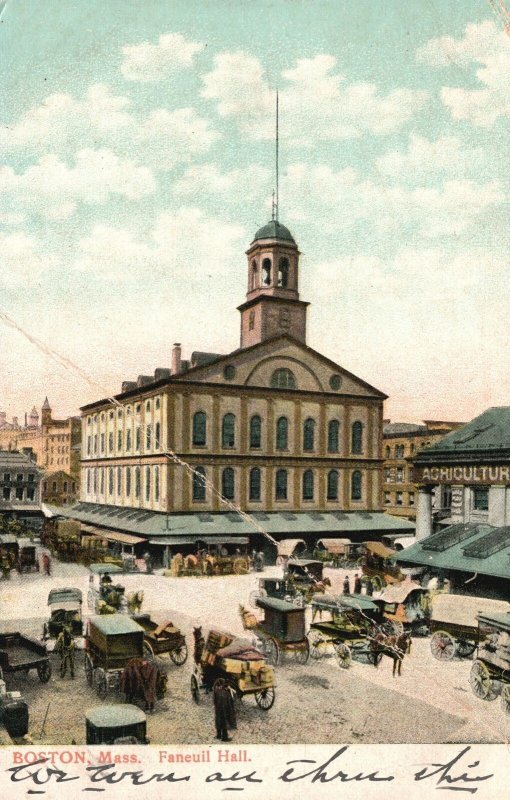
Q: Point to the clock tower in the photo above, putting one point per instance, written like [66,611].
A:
[272,305]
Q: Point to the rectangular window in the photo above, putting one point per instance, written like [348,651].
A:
[31,477]
[156,484]
[102,442]
[387,475]
[128,481]
[19,493]
[110,442]
[148,437]
[6,494]
[119,440]
[400,475]
[31,493]
[387,498]
[19,478]
[410,475]
[138,438]
[7,477]
[411,498]
[95,443]
[481,499]
[65,486]
[400,499]
[102,481]
[128,440]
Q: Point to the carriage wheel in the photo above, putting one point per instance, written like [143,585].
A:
[179,655]
[148,650]
[89,669]
[272,652]
[195,690]
[465,648]
[481,682]
[397,628]
[302,653]
[265,698]
[101,682]
[343,655]
[442,646]
[317,644]
[44,671]
[505,698]
[240,566]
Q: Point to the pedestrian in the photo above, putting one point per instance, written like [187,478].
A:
[224,710]
[347,586]
[46,564]
[148,563]
[370,588]
[357,584]
[65,648]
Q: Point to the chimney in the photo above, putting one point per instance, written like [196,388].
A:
[15,421]
[25,419]
[176,359]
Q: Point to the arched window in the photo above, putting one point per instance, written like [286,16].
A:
[148,437]
[254,274]
[199,485]
[255,431]
[156,484]
[119,480]
[309,434]
[157,403]
[266,272]
[199,429]
[388,451]
[102,480]
[110,480]
[332,485]
[157,436]
[357,438]
[95,480]
[147,483]
[255,484]
[228,431]
[282,433]
[137,482]
[281,484]
[88,480]
[308,485]
[283,379]
[128,481]
[333,436]
[356,485]
[227,483]
[283,272]
[148,405]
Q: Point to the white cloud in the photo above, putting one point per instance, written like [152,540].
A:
[208,179]
[23,262]
[178,242]
[424,158]
[150,63]
[166,138]
[52,189]
[316,103]
[483,44]
[339,200]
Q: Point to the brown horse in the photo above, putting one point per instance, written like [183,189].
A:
[392,645]
[199,643]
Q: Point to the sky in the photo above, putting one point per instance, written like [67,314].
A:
[137,162]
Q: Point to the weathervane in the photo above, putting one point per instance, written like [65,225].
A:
[275,194]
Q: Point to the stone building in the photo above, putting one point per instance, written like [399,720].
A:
[401,442]
[274,427]
[20,496]
[60,488]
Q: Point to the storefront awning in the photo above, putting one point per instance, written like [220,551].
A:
[112,536]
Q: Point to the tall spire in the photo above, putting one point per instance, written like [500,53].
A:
[275,213]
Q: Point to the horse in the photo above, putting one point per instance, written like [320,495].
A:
[392,645]
[199,642]
[134,601]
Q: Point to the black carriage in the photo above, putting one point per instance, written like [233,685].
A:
[237,662]
[163,639]
[454,624]
[282,630]
[306,577]
[280,588]
[346,623]
[490,673]
[116,724]
[65,611]
[20,653]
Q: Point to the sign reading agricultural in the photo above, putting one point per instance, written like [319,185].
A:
[463,474]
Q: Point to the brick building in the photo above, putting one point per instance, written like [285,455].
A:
[20,496]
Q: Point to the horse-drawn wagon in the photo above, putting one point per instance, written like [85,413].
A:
[408,606]
[27,559]
[117,724]
[289,548]
[106,597]
[346,623]
[305,575]
[65,611]
[282,629]
[339,553]
[490,673]
[163,638]
[223,657]
[228,556]
[9,553]
[377,565]
[454,624]
[20,653]
[116,657]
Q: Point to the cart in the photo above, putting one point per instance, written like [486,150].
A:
[348,624]
[378,567]
[288,548]
[454,625]
[103,592]
[490,673]
[111,643]
[280,588]
[28,561]
[65,610]
[165,638]
[282,630]
[339,553]
[239,663]
[9,553]
[306,577]
[408,606]
[118,724]
[20,653]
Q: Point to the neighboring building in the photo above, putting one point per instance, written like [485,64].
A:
[55,443]
[466,476]
[401,442]
[274,427]
[20,496]
[60,489]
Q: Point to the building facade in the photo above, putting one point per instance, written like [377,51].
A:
[59,488]
[402,441]
[20,479]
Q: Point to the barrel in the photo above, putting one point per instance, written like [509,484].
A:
[15,714]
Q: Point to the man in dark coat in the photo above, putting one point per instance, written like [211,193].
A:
[224,710]
[357,584]
[347,586]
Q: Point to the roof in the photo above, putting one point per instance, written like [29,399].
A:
[335,545]
[14,459]
[114,716]
[200,359]
[461,609]
[274,230]
[65,595]
[278,605]
[446,550]
[115,624]
[403,428]
[379,549]
[102,569]
[220,524]
[489,431]
[287,546]
[399,592]
[46,405]
[330,601]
